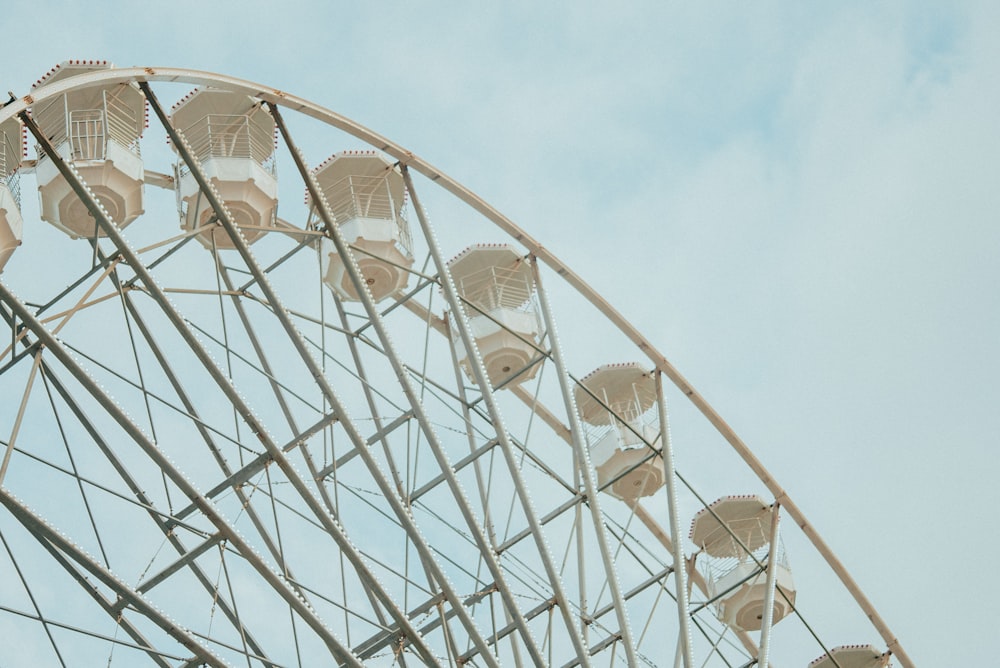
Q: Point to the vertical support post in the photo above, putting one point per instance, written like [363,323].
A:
[67,126]
[680,571]
[586,471]
[105,127]
[581,568]
[772,579]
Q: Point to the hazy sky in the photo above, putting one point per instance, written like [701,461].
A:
[797,202]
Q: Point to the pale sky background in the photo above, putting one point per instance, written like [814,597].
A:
[798,203]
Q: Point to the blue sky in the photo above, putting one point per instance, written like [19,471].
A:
[797,203]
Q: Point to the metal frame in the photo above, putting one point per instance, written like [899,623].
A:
[324,511]
[418,411]
[772,578]
[680,573]
[587,472]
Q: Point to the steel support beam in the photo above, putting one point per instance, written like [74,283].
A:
[162,521]
[381,430]
[479,373]
[641,513]
[379,435]
[44,532]
[440,325]
[373,645]
[180,562]
[276,387]
[586,470]
[258,464]
[281,587]
[199,424]
[772,577]
[403,378]
[107,605]
[298,343]
[680,572]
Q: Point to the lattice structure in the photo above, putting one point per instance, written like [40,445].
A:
[223,454]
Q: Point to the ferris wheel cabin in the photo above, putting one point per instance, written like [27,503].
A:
[851,656]
[364,192]
[11,153]
[497,288]
[615,401]
[232,137]
[96,130]
[735,534]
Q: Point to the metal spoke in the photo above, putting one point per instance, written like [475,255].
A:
[163,522]
[156,455]
[43,532]
[419,413]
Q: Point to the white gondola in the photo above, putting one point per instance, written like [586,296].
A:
[735,534]
[232,137]
[97,131]
[365,193]
[498,290]
[615,400]
[11,152]
[852,656]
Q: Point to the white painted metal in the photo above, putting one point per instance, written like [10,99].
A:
[734,532]
[11,224]
[851,656]
[418,411]
[97,130]
[497,291]
[396,496]
[772,579]
[364,190]
[11,156]
[684,649]
[585,469]
[233,139]
[615,399]
[479,372]
[323,515]
[167,466]
[125,592]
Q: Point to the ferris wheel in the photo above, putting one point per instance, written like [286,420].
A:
[260,410]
